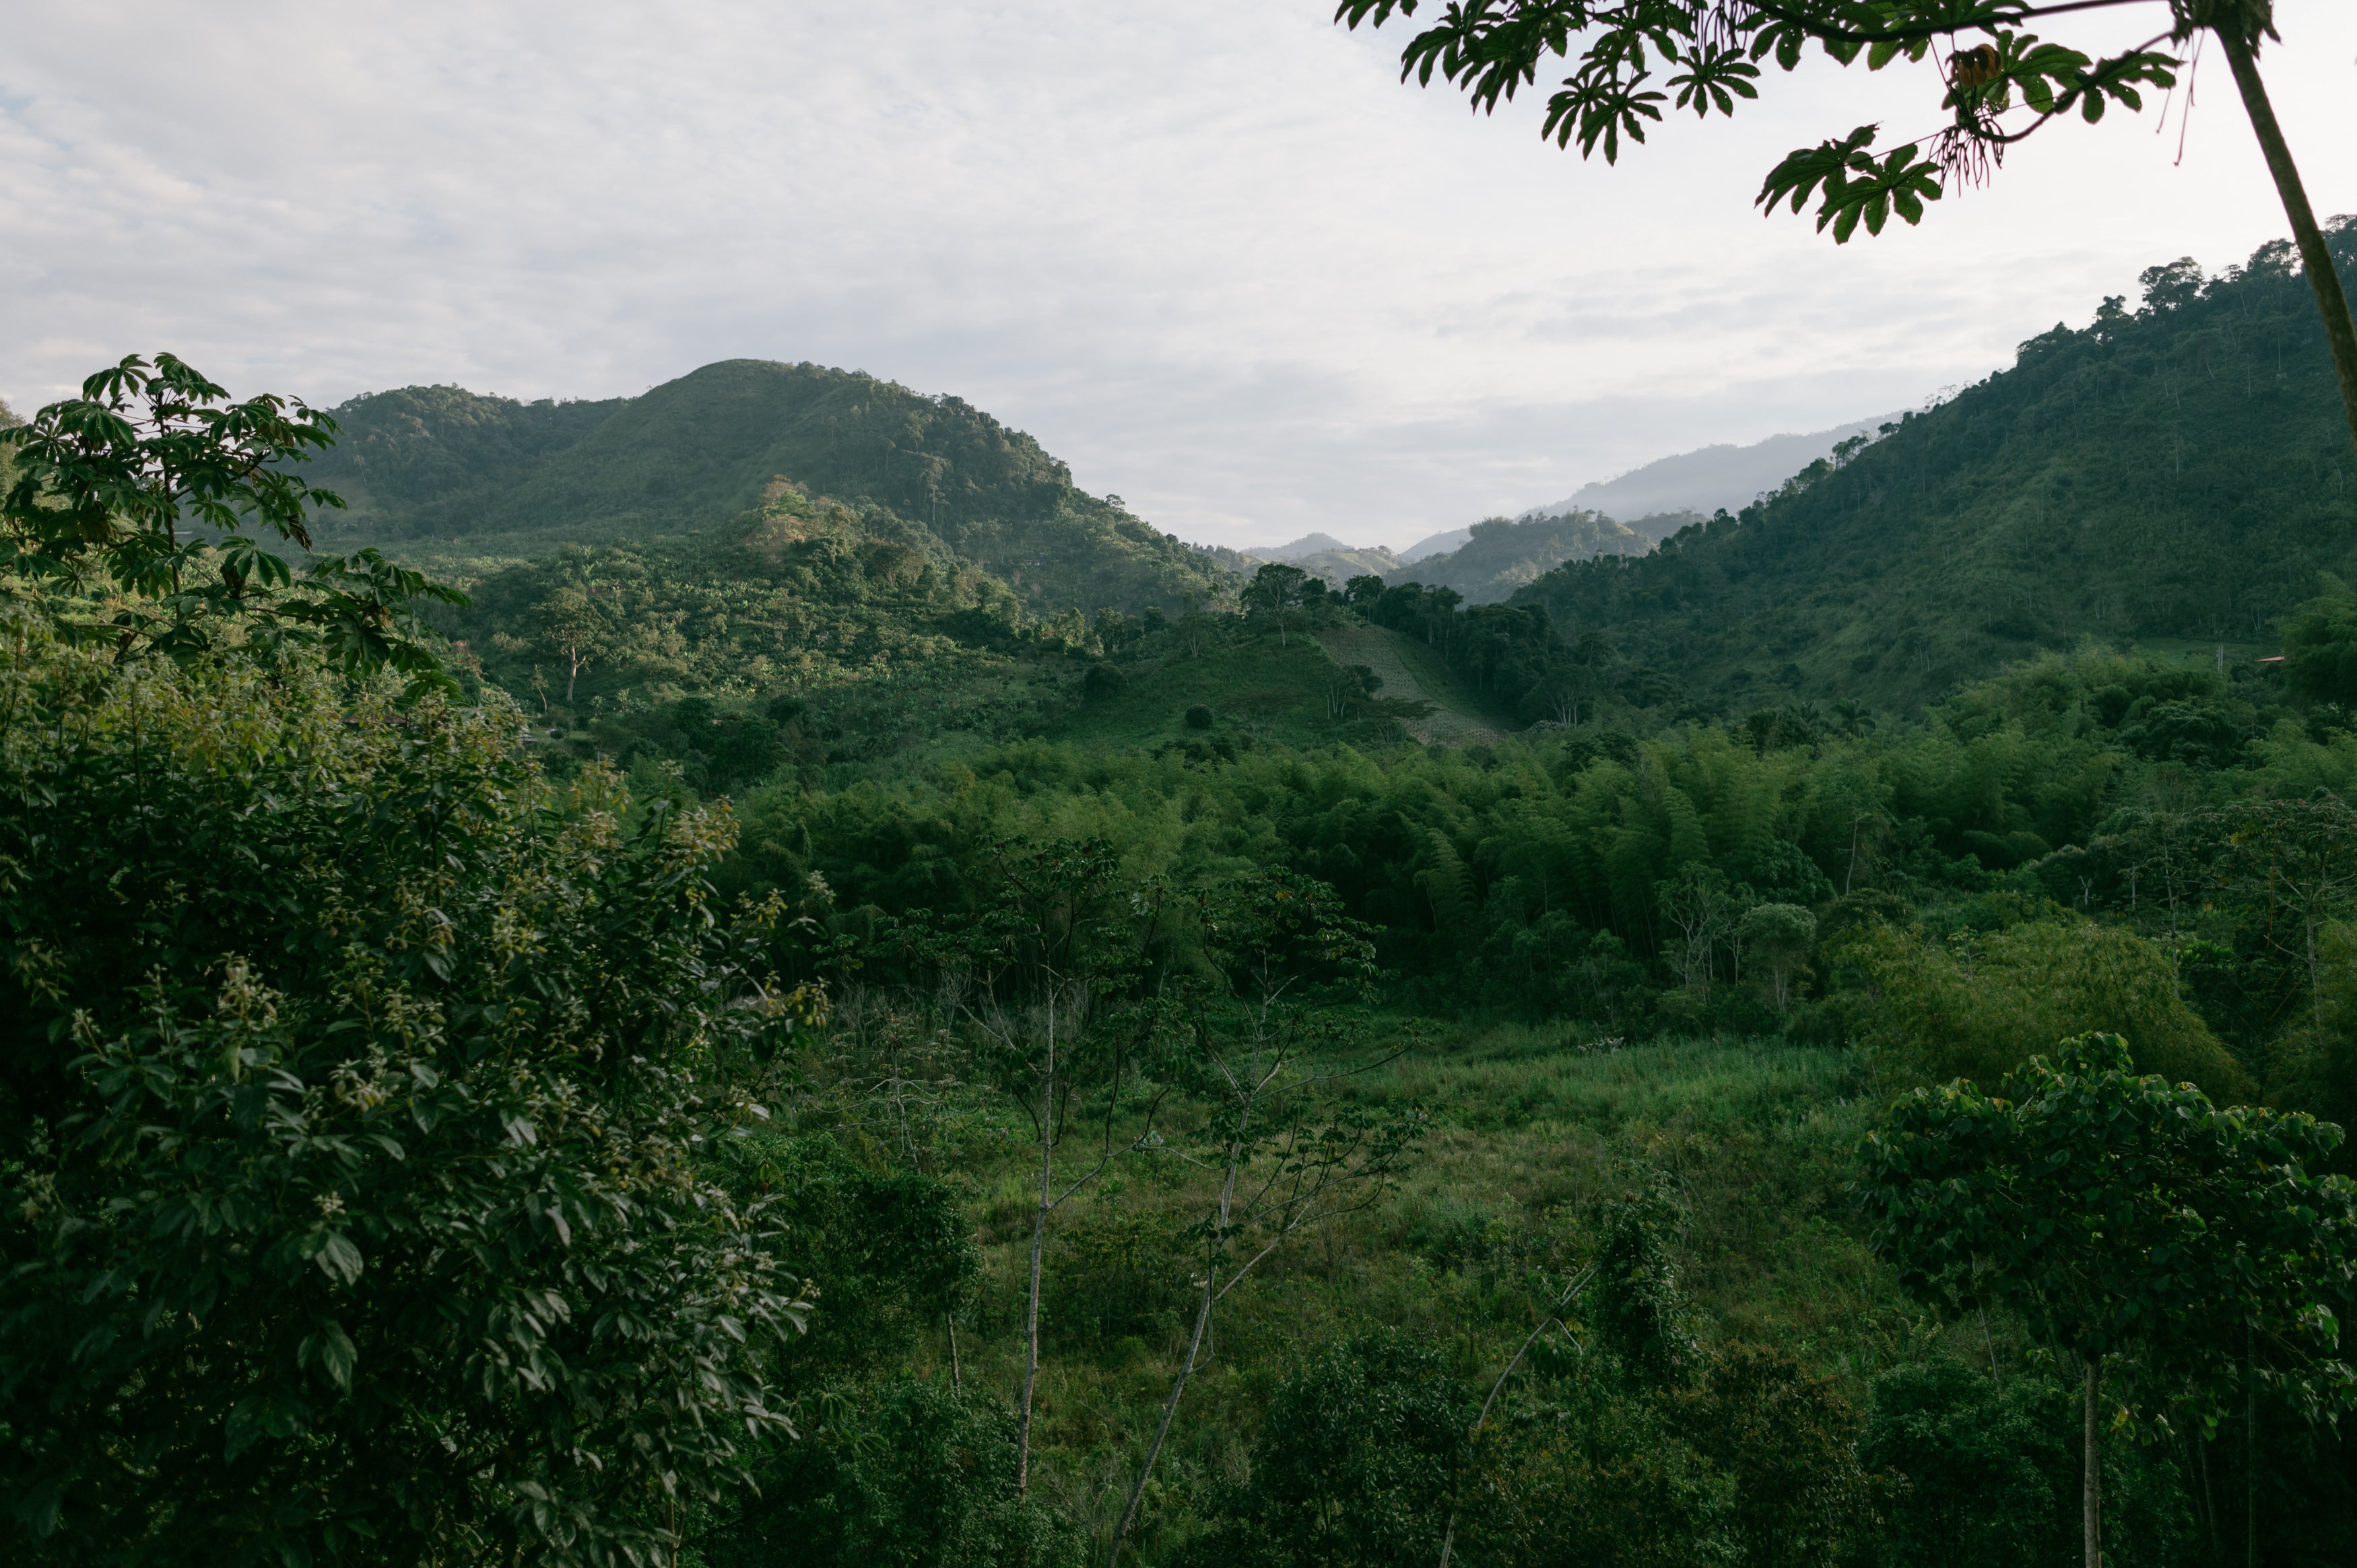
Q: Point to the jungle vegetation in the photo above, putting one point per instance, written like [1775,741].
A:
[766,1042]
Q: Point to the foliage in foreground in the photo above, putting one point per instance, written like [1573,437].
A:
[352,1086]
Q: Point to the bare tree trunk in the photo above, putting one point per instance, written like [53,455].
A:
[1448,1537]
[957,1373]
[2250,1455]
[2331,303]
[1194,1350]
[2091,1507]
[1039,1244]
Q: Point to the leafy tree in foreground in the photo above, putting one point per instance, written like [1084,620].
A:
[2002,84]
[135,492]
[351,1090]
[2118,1213]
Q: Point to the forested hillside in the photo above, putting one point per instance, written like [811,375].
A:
[1497,556]
[492,475]
[1503,555]
[774,1031]
[2180,470]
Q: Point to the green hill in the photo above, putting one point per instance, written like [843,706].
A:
[1498,556]
[2178,472]
[493,476]
[1504,554]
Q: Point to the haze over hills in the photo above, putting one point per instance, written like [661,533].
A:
[1486,562]
[490,474]
[1436,544]
[1619,517]
[1722,475]
[1307,545]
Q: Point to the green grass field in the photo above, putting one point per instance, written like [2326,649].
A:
[1533,1129]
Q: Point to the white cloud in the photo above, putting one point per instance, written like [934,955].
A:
[1214,254]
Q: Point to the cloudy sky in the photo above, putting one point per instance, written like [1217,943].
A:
[1210,252]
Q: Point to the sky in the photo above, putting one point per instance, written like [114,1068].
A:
[1213,254]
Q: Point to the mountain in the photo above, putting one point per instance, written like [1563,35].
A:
[1490,561]
[1308,544]
[1500,555]
[1326,557]
[1338,566]
[2179,471]
[1436,544]
[1704,481]
[461,469]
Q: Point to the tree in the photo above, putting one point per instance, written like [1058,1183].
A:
[1789,1440]
[2118,1213]
[1047,975]
[1284,1164]
[353,1081]
[1979,1458]
[2320,643]
[1355,1462]
[1347,685]
[2299,857]
[1274,588]
[1704,909]
[1440,606]
[136,491]
[1996,91]
[1778,937]
[574,630]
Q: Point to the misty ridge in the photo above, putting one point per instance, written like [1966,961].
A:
[1490,560]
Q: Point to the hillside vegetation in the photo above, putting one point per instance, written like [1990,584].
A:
[453,472]
[800,1036]
[2180,470]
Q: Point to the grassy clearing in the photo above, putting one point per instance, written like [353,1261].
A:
[1533,1128]
[1260,691]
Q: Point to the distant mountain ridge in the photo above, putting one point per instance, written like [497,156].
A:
[1492,559]
[1711,477]
[1307,545]
[456,468]
[1436,544]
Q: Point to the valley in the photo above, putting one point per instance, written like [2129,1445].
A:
[1537,933]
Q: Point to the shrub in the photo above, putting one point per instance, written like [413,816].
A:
[909,1477]
[1198,717]
[350,1078]
[2024,989]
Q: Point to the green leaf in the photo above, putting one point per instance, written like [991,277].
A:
[338,1259]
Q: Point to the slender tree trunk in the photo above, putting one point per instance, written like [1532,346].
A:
[2091,1505]
[1194,1350]
[2250,1455]
[1448,1537]
[1039,1244]
[2316,255]
[957,1373]
[2200,1447]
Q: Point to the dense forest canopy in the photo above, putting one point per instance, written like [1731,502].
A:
[498,477]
